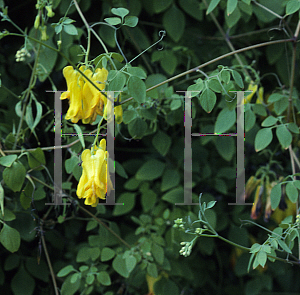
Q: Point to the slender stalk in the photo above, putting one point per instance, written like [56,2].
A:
[88,31]
[213,61]
[226,38]
[103,224]
[30,86]
[49,262]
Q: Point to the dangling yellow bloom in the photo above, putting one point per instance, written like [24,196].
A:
[94,182]
[84,99]
[252,87]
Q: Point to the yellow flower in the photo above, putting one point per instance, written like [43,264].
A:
[84,99]
[252,87]
[260,96]
[94,182]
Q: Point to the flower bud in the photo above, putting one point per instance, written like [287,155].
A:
[50,13]
[37,21]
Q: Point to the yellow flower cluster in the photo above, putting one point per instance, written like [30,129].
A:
[94,182]
[253,87]
[86,102]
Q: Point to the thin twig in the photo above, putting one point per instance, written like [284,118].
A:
[213,61]
[103,224]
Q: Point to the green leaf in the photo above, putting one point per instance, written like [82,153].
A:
[291,192]
[113,21]
[162,142]
[166,287]
[237,78]
[107,254]
[208,100]
[128,116]
[284,136]
[225,146]
[10,238]
[196,88]
[137,128]
[215,85]
[281,105]
[150,170]
[36,158]
[161,5]
[174,23]
[8,215]
[104,278]
[292,127]
[117,81]
[275,97]
[121,12]
[69,288]
[284,246]
[71,163]
[130,263]
[2,199]
[152,270]
[71,30]
[269,121]
[137,72]
[263,138]
[175,103]
[193,8]
[7,161]
[119,265]
[120,170]
[128,200]
[83,254]
[66,270]
[21,282]
[261,258]
[14,176]
[292,6]
[131,21]
[80,135]
[249,120]
[233,18]
[137,89]
[170,179]
[148,200]
[11,262]
[297,184]
[168,61]
[275,196]
[158,253]
[255,248]
[231,6]
[212,5]
[173,196]
[225,120]
[225,76]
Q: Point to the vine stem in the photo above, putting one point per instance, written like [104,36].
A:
[290,109]
[86,59]
[226,38]
[103,224]
[30,86]
[49,262]
[213,61]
